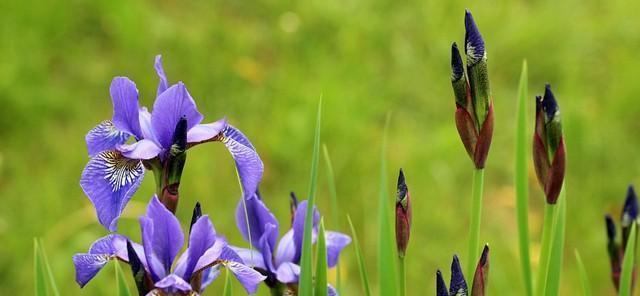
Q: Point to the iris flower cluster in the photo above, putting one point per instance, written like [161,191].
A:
[136,140]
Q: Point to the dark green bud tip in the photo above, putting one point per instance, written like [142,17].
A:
[457,67]
[197,213]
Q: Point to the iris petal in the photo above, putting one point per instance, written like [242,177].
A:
[170,106]
[336,241]
[124,96]
[298,226]
[109,180]
[104,136]
[88,264]
[248,163]
[163,84]
[288,273]
[252,222]
[173,283]
[248,277]
[143,149]
[205,132]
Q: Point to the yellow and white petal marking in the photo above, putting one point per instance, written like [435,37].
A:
[119,170]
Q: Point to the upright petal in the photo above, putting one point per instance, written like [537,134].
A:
[172,284]
[298,226]
[124,96]
[286,250]
[109,180]
[336,241]
[163,84]
[247,276]
[162,237]
[105,136]
[145,125]
[143,149]
[205,132]
[169,107]
[288,272]
[248,163]
[201,239]
[211,256]
[253,221]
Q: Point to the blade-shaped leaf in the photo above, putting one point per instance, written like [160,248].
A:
[123,289]
[228,286]
[584,278]
[387,258]
[44,280]
[306,276]
[557,246]
[626,277]
[333,195]
[522,181]
[321,262]
[363,270]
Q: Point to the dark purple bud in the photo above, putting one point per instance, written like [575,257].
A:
[441,286]
[611,228]
[549,103]
[197,213]
[474,44]
[457,285]
[174,166]
[293,205]
[457,67]
[403,215]
[481,276]
[179,143]
[614,251]
[630,210]
[139,274]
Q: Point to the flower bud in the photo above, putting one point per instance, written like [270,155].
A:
[548,146]
[629,215]
[293,205]
[403,216]
[441,286]
[174,165]
[457,284]
[197,213]
[474,108]
[481,276]
[614,251]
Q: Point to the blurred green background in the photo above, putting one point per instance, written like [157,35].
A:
[264,64]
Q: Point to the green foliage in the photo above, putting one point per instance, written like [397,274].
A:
[321,262]
[364,278]
[123,289]
[44,281]
[476,217]
[628,262]
[387,257]
[554,265]
[582,272]
[306,269]
[228,285]
[333,195]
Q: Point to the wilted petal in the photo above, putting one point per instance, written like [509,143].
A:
[205,132]
[288,272]
[124,96]
[248,163]
[105,136]
[162,238]
[143,149]
[286,250]
[256,217]
[298,226]
[173,283]
[252,258]
[169,107]
[201,239]
[457,285]
[336,241]
[163,84]
[109,180]
[248,277]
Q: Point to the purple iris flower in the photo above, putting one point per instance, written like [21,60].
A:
[162,239]
[116,167]
[281,262]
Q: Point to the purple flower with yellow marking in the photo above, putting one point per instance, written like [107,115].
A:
[162,239]
[280,261]
[160,138]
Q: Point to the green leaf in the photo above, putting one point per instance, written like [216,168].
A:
[545,247]
[584,278]
[476,217]
[321,262]
[44,281]
[387,258]
[522,180]
[123,289]
[363,270]
[228,286]
[626,277]
[333,195]
[554,264]
[306,275]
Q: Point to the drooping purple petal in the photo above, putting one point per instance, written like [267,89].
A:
[288,273]
[257,216]
[336,241]
[143,149]
[162,238]
[169,107]
[88,264]
[248,163]
[247,276]
[172,284]
[201,239]
[286,250]
[124,96]
[211,255]
[163,84]
[298,226]
[251,258]
[206,132]
[109,180]
[104,136]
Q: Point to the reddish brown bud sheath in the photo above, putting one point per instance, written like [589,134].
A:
[403,215]
[481,276]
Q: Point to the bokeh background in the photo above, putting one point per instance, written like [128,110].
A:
[264,64]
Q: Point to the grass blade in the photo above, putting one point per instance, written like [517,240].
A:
[554,266]
[228,286]
[306,275]
[545,247]
[387,258]
[627,263]
[333,195]
[123,289]
[476,217]
[321,262]
[584,278]
[43,272]
[363,270]
[522,181]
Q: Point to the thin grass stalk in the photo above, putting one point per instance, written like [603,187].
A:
[554,266]
[333,195]
[387,257]
[626,276]
[364,278]
[476,216]
[584,278]
[321,263]
[545,247]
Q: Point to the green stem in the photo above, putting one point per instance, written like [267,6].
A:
[403,272]
[554,264]
[476,214]
[545,249]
